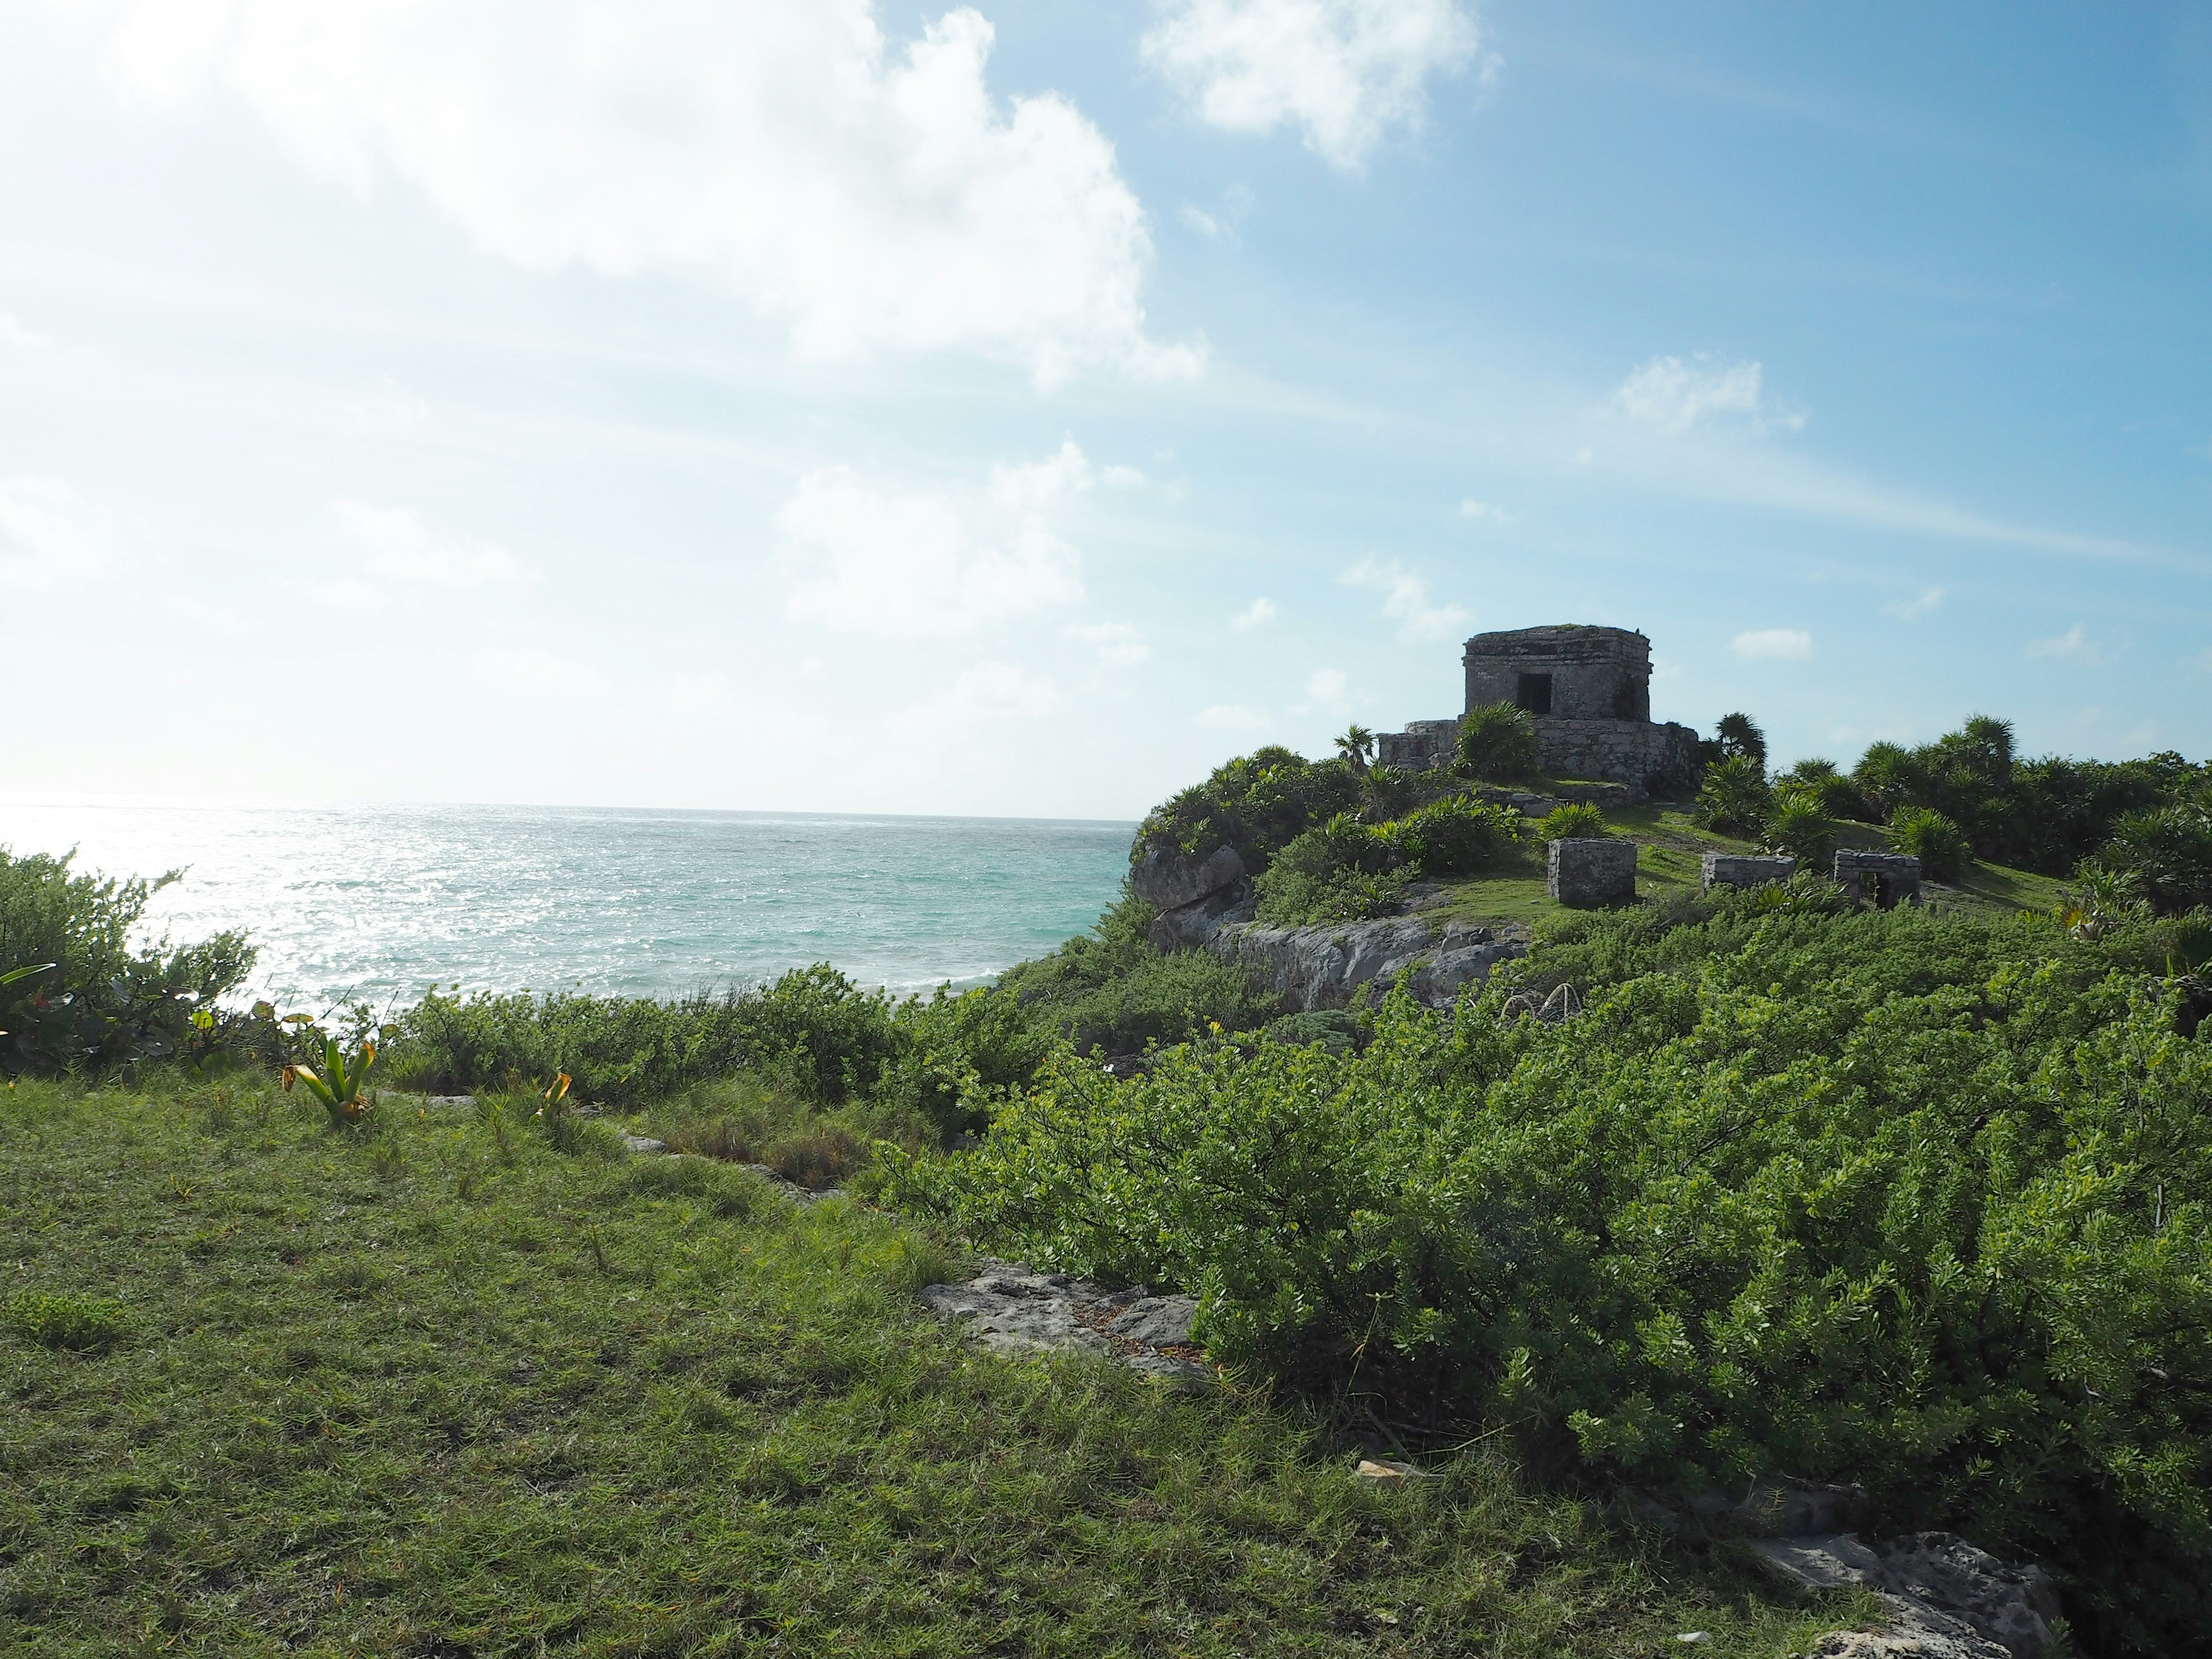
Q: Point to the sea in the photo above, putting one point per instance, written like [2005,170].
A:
[380,903]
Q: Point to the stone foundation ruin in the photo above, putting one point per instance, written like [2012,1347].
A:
[1743,870]
[1883,879]
[1587,691]
[1584,874]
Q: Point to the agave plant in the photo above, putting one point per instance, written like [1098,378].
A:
[339,1086]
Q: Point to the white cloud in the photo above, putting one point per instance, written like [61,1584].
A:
[1672,394]
[1258,614]
[1346,72]
[209,618]
[1913,610]
[15,338]
[395,548]
[1788,643]
[865,560]
[1328,690]
[1471,508]
[1201,221]
[1231,717]
[1406,599]
[2075,644]
[865,194]
[52,538]
[1118,644]
[996,691]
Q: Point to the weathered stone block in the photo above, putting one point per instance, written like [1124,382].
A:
[1887,879]
[1744,870]
[1584,874]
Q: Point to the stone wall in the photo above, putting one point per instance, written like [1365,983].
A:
[1744,870]
[1659,760]
[1571,672]
[1887,879]
[1647,759]
[1584,872]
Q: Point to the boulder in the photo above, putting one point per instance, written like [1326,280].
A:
[1168,879]
[1010,1309]
[1319,967]
[1949,1600]
[1188,927]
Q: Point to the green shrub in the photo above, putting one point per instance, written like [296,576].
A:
[1904,1200]
[1839,796]
[1498,741]
[2166,854]
[1925,833]
[1797,823]
[79,1323]
[1734,798]
[101,1003]
[1573,821]
[1457,836]
[1257,803]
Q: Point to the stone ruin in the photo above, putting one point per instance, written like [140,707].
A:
[1884,879]
[1743,870]
[1588,693]
[1586,872]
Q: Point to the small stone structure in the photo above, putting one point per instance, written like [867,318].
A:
[1887,879]
[1588,693]
[1744,870]
[1587,872]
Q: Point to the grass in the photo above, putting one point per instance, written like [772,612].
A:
[1669,856]
[440,1389]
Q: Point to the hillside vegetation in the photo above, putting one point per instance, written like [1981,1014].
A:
[1920,1199]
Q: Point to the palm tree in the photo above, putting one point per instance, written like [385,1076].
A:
[1356,747]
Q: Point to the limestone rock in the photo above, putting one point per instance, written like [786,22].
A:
[1011,1309]
[1189,927]
[1950,1600]
[1319,967]
[1168,879]
[643,1143]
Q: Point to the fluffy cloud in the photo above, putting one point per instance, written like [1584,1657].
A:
[1406,599]
[865,560]
[1672,394]
[1789,644]
[52,538]
[868,195]
[394,546]
[1344,72]
[1329,691]
[1232,717]
[1258,614]
[1118,644]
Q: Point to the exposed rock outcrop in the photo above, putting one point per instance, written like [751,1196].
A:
[1192,896]
[1319,967]
[1009,1309]
[1948,1599]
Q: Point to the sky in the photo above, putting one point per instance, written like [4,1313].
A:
[1019,409]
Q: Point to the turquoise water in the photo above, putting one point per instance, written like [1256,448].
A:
[382,902]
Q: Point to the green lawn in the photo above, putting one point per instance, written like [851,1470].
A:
[1670,850]
[439,1389]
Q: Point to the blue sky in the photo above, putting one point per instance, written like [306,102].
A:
[1019,409]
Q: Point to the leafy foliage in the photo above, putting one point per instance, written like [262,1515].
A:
[1497,742]
[1796,821]
[1344,870]
[1733,798]
[91,1000]
[1925,833]
[1735,737]
[1257,803]
[1915,1201]
[1573,820]
[77,1323]
[2165,855]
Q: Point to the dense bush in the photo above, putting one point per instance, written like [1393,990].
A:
[1839,798]
[1915,1201]
[98,1001]
[1734,736]
[1498,742]
[2166,856]
[1257,803]
[1346,870]
[1733,798]
[1110,990]
[1927,834]
[825,1035]
[2045,815]
[1796,821]
[1574,821]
